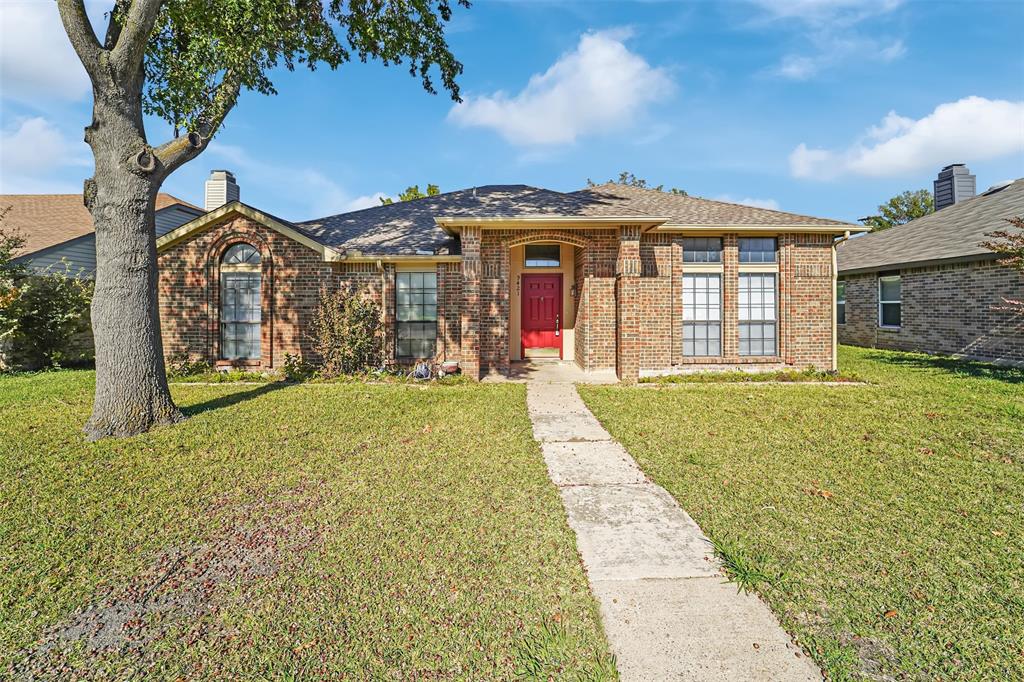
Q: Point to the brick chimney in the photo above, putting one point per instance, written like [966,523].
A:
[221,189]
[955,183]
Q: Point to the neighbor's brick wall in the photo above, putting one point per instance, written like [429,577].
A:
[947,309]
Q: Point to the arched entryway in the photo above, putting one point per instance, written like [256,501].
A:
[545,269]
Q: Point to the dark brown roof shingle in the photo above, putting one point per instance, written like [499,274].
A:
[955,232]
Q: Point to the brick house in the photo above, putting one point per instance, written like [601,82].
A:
[638,280]
[929,285]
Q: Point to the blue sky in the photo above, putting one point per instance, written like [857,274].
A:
[823,107]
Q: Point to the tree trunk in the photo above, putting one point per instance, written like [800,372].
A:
[132,394]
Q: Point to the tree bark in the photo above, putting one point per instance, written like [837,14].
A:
[132,394]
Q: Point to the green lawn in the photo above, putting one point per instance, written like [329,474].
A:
[883,523]
[288,531]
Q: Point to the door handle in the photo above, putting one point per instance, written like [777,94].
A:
[557,324]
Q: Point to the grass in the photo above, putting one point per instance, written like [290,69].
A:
[288,532]
[778,376]
[891,511]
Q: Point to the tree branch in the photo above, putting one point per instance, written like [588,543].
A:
[176,152]
[114,24]
[80,33]
[134,34]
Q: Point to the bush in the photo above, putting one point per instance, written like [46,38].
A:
[297,369]
[45,319]
[182,365]
[347,332]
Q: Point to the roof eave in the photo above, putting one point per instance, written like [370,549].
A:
[732,227]
[453,224]
[967,258]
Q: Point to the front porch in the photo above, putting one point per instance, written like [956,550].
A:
[550,294]
[552,372]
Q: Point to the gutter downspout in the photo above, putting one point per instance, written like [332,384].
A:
[835,291]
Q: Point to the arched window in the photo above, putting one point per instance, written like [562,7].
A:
[240,303]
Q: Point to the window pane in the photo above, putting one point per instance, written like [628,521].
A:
[757,250]
[889,288]
[840,290]
[241,254]
[891,314]
[841,312]
[757,338]
[543,255]
[416,312]
[702,250]
[240,308]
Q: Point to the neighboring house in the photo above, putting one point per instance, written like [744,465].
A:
[929,285]
[58,228]
[637,280]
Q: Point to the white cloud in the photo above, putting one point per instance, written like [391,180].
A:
[598,87]
[30,151]
[324,195]
[827,11]
[970,129]
[36,59]
[748,201]
[831,28]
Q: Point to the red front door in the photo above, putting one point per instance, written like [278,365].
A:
[541,321]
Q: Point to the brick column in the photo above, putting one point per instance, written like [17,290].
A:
[730,298]
[470,361]
[387,300]
[627,305]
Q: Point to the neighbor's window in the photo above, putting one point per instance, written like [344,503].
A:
[702,315]
[890,291]
[757,250]
[841,302]
[543,255]
[702,250]
[416,313]
[240,303]
[757,313]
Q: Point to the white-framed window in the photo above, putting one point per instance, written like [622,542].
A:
[757,314]
[416,314]
[841,302]
[702,315]
[757,249]
[702,250]
[890,294]
[240,303]
[542,255]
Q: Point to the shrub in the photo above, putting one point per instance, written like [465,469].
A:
[297,369]
[46,320]
[347,332]
[183,365]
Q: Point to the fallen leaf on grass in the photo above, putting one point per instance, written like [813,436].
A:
[891,613]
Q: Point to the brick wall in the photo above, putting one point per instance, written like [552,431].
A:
[948,309]
[628,298]
[189,291]
[804,304]
[292,276]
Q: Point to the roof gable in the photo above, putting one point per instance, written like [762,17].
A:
[237,208]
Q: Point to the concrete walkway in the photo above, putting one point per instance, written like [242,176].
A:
[667,611]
